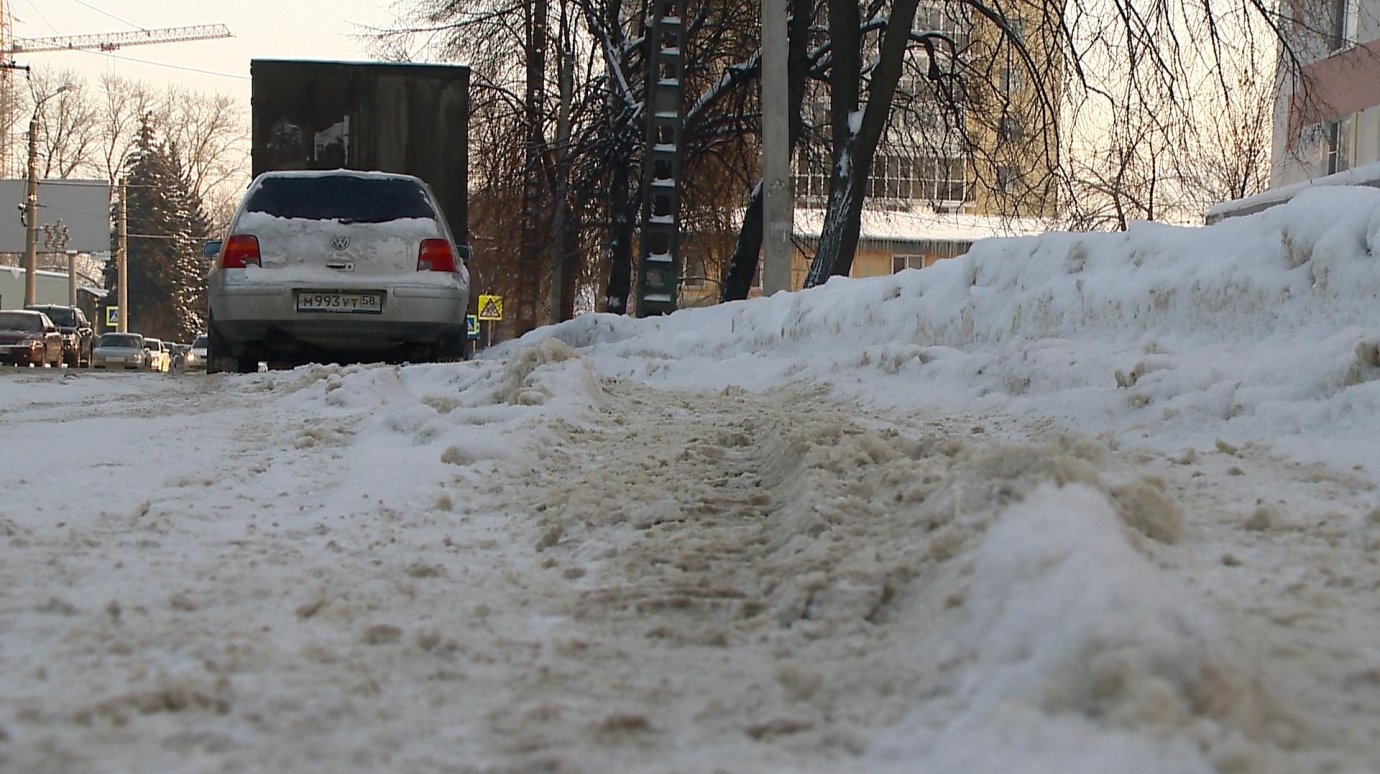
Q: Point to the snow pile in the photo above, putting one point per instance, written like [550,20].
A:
[1075,503]
[1254,324]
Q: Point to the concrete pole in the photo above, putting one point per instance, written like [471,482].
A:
[122,261]
[71,277]
[777,204]
[31,218]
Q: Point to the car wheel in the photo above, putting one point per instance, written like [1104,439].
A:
[218,357]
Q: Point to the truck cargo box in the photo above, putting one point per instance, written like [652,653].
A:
[408,118]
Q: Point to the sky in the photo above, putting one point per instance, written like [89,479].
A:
[296,29]
[1069,503]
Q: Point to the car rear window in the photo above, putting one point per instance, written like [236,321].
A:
[119,340]
[345,198]
[60,314]
[20,321]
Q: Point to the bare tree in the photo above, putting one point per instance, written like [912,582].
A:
[1000,97]
[1173,110]
[92,131]
[210,133]
[121,106]
[66,132]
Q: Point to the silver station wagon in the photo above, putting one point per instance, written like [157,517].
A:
[336,266]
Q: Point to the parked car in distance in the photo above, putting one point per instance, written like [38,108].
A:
[29,338]
[120,350]
[77,334]
[196,356]
[336,265]
[159,359]
[179,354]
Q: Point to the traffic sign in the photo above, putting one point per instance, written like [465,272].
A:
[471,326]
[112,316]
[490,307]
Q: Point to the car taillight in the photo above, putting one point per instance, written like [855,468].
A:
[240,251]
[435,255]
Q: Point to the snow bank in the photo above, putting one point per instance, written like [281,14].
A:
[1256,322]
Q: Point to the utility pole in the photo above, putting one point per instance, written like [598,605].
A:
[529,260]
[122,261]
[71,277]
[31,217]
[658,270]
[777,205]
[31,202]
[560,276]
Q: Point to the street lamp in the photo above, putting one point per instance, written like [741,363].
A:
[31,202]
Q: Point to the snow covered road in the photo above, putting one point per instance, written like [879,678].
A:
[523,565]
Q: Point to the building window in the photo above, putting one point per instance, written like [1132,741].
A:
[1007,178]
[810,180]
[1010,80]
[1345,15]
[1336,150]
[942,181]
[948,18]
[1009,128]
[902,262]
[891,177]
[694,276]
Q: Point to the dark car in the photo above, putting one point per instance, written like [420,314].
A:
[29,338]
[77,334]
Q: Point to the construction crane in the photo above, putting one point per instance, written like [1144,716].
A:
[115,40]
[112,41]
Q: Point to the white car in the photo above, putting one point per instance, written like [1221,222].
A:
[196,356]
[120,350]
[336,266]
[159,359]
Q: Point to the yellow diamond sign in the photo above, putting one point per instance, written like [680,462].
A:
[490,307]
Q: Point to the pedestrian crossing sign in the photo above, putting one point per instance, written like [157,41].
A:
[471,326]
[112,316]
[490,307]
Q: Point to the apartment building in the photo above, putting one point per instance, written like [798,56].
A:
[947,175]
[1327,115]
[1327,107]
[978,163]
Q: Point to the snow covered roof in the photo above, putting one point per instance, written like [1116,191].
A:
[1366,174]
[901,226]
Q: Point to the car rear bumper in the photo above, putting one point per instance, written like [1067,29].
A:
[122,364]
[266,315]
[14,354]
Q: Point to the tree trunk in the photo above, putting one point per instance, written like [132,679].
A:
[529,261]
[559,237]
[742,266]
[855,145]
[620,244]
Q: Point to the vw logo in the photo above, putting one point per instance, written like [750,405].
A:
[340,242]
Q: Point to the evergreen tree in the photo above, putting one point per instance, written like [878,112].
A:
[167,225]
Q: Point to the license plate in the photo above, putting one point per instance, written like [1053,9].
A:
[364,302]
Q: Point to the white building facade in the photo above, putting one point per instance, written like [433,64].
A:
[1327,116]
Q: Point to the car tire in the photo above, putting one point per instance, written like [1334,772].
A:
[451,349]
[218,357]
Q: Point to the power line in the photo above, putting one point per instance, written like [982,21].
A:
[40,15]
[164,64]
[111,15]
